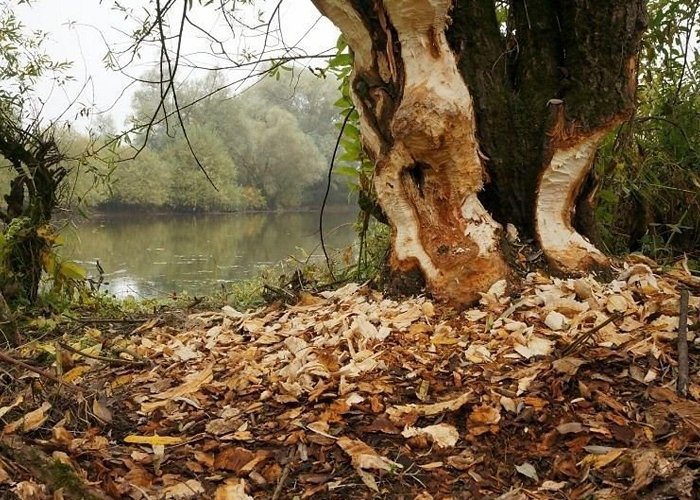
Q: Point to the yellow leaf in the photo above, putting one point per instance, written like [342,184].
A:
[72,271]
[600,461]
[121,380]
[76,372]
[153,440]
[193,382]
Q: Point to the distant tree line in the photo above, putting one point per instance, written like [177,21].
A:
[267,148]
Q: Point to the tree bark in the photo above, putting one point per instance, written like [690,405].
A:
[540,93]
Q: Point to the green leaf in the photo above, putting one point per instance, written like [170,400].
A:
[71,270]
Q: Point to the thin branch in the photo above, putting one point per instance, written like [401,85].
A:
[328,188]
[114,361]
[682,381]
[583,337]
[9,359]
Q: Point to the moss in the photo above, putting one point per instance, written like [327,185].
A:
[63,476]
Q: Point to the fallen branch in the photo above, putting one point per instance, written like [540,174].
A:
[682,381]
[583,337]
[281,293]
[283,477]
[115,361]
[111,320]
[135,355]
[9,359]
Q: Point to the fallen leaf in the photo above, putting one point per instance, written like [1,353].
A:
[396,412]
[233,458]
[570,428]
[508,404]
[568,365]
[650,465]
[598,461]
[616,303]
[18,401]
[182,491]
[154,440]
[100,410]
[526,469]
[552,485]
[232,489]
[364,457]
[76,372]
[30,421]
[443,435]
[463,461]
[431,466]
[193,382]
[485,415]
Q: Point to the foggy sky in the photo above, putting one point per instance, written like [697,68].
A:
[81,30]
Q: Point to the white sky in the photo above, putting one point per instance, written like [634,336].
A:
[79,29]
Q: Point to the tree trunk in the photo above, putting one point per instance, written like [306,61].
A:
[431,77]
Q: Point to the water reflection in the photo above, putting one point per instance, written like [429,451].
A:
[151,255]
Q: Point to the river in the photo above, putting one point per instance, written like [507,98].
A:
[146,255]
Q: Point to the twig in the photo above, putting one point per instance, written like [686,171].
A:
[578,341]
[111,320]
[682,382]
[280,292]
[8,359]
[282,479]
[116,361]
[135,355]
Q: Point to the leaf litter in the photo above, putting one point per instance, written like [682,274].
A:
[350,392]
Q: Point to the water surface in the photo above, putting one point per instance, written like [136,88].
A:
[147,255]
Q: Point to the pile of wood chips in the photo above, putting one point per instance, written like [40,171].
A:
[567,389]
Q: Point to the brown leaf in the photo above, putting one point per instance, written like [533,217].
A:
[598,461]
[100,410]
[463,461]
[570,428]
[193,382]
[182,491]
[485,415]
[4,476]
[396,412]
[232,489]
[233,458]
[382,424]
[30,421]
[568,365]
[442,435]
[648,466]
[364,457]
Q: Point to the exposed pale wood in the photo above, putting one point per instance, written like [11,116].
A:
[428,165]
[559,184]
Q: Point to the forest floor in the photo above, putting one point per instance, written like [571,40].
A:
[565,388]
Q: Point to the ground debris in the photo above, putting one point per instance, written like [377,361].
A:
[350,393]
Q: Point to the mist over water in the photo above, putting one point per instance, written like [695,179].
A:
[156,255]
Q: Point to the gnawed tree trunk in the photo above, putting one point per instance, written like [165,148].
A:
[545,94]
